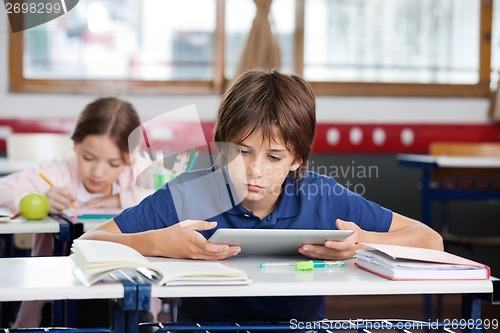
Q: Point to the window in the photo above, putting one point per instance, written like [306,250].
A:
[495,46]
[410,41]
[130,43]
[347,47]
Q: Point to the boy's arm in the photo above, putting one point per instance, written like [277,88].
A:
[403,231]
[408,232]
[182,240]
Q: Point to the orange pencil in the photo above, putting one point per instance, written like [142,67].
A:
[46,180]
[52,185]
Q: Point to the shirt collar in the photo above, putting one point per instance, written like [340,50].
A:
[288,202]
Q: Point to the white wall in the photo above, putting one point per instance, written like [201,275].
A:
[330,109]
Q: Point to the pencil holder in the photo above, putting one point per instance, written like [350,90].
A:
[161,178]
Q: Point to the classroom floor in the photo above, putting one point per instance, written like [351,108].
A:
[400,307]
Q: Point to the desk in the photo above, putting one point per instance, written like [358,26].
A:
[429,163]
[50,225]
[430,193]
[90,224]
[20,225]
[448,161]
[348,280]
[51,278]
[80,226]
[84,225]
[59,228]
[83,220]
[48,278]
[8,166]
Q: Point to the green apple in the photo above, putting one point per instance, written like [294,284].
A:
[34,206]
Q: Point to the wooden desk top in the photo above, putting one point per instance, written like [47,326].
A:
[449,161]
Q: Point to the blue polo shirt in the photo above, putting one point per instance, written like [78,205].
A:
[314,203]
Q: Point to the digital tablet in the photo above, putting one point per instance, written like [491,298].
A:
[275,241]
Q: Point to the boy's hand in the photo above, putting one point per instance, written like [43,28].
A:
[336,250]
[183,240]
[60,198]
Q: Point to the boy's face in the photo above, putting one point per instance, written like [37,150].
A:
[100,163]
[258,169]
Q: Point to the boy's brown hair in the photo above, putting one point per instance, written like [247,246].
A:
[108,116]
[277,104]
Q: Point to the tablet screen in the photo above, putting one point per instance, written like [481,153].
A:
[275,241]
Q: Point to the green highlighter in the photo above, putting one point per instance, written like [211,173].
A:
[305,265]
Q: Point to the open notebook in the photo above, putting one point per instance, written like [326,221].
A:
[96,260]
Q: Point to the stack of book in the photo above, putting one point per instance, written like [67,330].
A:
[411,263]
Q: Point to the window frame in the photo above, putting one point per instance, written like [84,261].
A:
[219,83]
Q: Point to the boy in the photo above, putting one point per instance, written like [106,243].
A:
[268,120]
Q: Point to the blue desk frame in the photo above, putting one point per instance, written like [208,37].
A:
[471,313]
[64,236]
[125,314]
[427,164]
[137,297]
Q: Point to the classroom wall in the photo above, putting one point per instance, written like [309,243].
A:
[428,119]
[394,187]
[340,109]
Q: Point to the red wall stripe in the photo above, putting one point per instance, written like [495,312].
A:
[330,137]
[399,138]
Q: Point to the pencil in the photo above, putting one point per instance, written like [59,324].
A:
[52,185]
[46,180]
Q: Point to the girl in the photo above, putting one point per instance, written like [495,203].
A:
[100,175]
[268,119]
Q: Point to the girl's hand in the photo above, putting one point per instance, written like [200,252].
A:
[109,201]
[336,250]
[59,199]
[182,240]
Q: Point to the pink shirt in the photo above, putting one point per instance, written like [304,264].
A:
[62,173]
